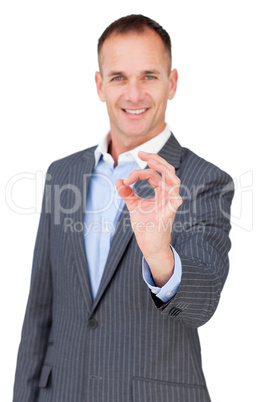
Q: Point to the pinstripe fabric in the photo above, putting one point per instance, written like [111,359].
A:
[126,346]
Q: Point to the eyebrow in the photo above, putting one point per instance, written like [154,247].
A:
[114,73]
[145,72]
[149,72]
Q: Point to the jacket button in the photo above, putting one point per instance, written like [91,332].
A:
[92,323]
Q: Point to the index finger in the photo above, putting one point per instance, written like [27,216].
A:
[161,165]
[147,156]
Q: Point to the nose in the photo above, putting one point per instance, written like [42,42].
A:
[134,92]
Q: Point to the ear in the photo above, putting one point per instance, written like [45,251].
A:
[99,82]
[173,77]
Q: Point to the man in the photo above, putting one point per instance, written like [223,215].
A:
[132,247]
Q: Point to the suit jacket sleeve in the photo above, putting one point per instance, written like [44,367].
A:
[37,321]
[200,235]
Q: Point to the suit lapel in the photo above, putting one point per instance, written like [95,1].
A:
[172,153]
[79,177]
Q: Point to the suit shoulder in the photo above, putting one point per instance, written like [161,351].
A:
[200,170]
[69,161]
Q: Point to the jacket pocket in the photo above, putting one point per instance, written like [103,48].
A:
[45,375]
[148,390]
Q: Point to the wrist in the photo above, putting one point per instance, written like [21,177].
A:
[161,266]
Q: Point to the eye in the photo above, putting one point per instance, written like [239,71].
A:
[118,78]
[150,77]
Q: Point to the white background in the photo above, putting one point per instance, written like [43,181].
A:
[49,109]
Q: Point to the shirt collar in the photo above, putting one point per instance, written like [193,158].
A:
[154,146]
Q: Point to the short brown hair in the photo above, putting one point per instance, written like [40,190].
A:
[136,23]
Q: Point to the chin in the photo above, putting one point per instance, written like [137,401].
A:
[136,132]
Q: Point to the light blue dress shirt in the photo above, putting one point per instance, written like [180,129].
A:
[103,207]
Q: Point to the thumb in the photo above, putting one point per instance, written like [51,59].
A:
[126,193]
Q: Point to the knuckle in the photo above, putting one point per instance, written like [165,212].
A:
[177,181]
[153,172]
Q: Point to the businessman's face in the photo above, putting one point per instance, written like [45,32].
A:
[135,82]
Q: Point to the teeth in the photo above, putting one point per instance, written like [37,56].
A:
[135,111]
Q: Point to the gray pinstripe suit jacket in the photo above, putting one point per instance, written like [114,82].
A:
[125,346]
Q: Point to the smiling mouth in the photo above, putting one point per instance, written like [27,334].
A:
[135,112]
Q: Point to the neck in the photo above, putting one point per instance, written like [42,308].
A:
[118,146]
[115,149]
